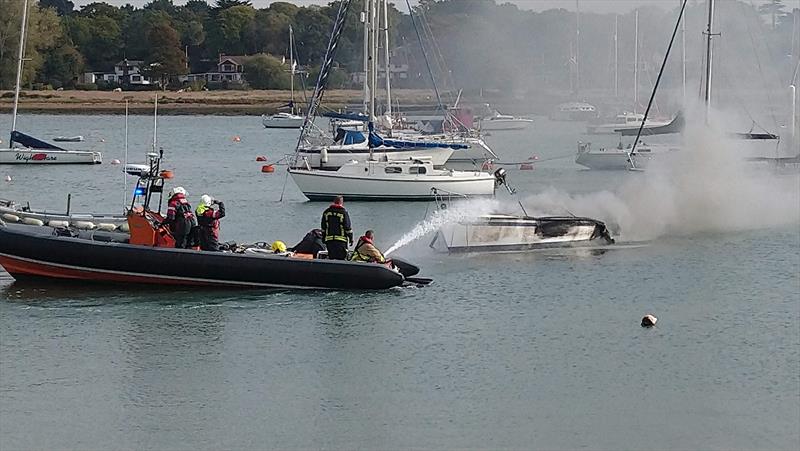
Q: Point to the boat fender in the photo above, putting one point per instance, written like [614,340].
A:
[84,225]
[124,227]
[57,223]
[33,221]
[114,161]
[649,321]
[323,155]
[106,227]
[10,218]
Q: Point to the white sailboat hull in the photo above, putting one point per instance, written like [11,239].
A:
[338,155]
[49,156]
[514,233]
[610,129]
[325,185]
[505,124]
[282,120]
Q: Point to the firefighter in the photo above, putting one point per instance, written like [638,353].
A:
[208,222]
[338,234]
[365,250]
[180,218]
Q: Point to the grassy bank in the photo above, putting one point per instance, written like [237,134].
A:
[200,102]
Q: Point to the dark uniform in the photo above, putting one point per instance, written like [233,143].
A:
[337,232]
[208,225]
[180,220]
[310,244]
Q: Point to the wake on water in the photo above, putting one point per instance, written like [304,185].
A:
[708,186]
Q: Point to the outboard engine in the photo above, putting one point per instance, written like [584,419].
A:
[500,180]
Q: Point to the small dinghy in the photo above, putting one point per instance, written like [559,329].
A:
[69,139]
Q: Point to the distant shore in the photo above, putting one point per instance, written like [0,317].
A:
[179,103]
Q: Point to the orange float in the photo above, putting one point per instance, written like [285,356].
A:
[268,168]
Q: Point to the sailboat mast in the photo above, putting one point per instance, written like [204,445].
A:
[577,46]
[365,21]
[683,53]
[709,34]
[20,57]
[616,56]
[291,66]
[155,123]
[386,56]
[373,17]
[636,61]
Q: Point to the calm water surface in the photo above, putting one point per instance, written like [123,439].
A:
[539,350]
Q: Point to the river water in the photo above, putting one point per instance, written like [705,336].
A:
[538,350]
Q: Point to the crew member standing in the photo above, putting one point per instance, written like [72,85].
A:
[208,222]
[336,229]
[180,218]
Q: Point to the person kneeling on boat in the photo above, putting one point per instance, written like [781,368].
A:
[208,222]
[337,231]
[311,244]
[180,218]
[365,250]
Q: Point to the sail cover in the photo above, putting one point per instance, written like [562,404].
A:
[31,142]
[375,141]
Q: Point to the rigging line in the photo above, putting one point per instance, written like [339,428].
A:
[658,80]
[425,55]
[431,41]
[760,69]
[446,74]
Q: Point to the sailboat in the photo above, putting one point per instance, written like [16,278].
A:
[25,149]
[284,119]
[379,176]
[498,121]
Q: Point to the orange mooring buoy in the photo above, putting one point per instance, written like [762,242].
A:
[236,139]
[261,158]
[268,168]
[167,174]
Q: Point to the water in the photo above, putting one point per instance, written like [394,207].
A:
[538,350]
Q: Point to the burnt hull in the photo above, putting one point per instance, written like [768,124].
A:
[27,251]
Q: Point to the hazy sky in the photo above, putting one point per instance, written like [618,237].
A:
[602,6]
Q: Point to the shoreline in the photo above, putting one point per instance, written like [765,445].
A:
[225,103]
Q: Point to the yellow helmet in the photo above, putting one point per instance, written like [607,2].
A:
[278,246]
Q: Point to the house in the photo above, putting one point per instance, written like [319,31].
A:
[125,69]
[230,69]
[397,72]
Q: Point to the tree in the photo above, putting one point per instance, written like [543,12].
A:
[62,7]
[166,59]
[43,32]
[225,4]
[266,72]
[62,65]
[98,38]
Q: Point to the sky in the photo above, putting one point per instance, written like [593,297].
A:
[600,6]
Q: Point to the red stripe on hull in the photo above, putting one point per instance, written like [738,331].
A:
[21,267]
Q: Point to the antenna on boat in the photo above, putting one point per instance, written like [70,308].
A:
[155,123]
[124,174]
[655,87]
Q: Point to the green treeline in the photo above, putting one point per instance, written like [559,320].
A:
[472,45]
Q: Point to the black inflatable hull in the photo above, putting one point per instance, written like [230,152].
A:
[30,251]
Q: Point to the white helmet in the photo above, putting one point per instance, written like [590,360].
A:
[176,190]
[206,200]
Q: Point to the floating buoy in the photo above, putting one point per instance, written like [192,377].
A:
[167,174]
[237,139]
[10,218]
[649,321]
[33,221]
[114,161]
[124,227]
[268,168]
[8,178]
[84,225]
[526,167]
[57,223]
[102,140]
[261,158]
[533,158]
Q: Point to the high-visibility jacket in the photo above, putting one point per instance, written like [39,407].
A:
[365,251]
[208,225]
[336,224]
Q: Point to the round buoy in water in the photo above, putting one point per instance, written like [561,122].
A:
[649,321]
[268,168]
[8,178]
[261,158]
[102,140]
[115,161]
[237,139]
[167,174]
[10,217]
[57,223]
[33,221]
